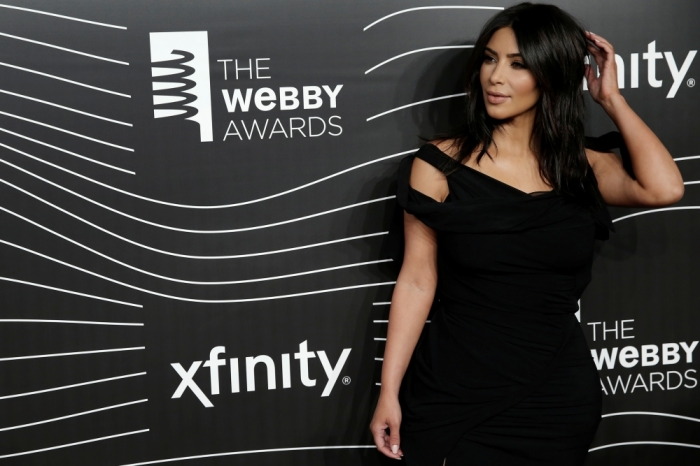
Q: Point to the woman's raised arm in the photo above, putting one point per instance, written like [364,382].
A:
[659,181]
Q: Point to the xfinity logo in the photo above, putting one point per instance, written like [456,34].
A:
[180,71]
[651,56]
[216,361]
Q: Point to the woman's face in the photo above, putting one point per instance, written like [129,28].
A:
[509,88]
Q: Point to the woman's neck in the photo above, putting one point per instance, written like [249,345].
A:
[513,137]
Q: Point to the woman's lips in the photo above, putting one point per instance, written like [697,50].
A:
[496,98]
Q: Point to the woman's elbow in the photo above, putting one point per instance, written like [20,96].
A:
[678,193]
[660,196]
[672,194]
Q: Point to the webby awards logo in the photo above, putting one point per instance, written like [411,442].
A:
[180,72]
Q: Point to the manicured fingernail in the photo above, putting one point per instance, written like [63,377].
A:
[394,449]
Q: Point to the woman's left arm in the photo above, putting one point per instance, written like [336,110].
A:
[659,181]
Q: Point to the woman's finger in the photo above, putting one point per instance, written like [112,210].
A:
[604,58]
[597,57]
[589,73]
[381,440]
[598,60]
[377,434]
[602,52]
[394,437]
[604,45]
[596,37]
[600,42]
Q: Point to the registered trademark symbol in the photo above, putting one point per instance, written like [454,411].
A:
[346,380]
[691,82]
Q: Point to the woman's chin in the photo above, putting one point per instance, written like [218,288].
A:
[500,117]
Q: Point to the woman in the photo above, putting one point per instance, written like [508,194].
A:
[499,225]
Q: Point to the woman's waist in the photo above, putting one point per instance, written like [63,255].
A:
[489,322]
[496,295]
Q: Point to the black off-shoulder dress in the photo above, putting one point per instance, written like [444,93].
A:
[503,374]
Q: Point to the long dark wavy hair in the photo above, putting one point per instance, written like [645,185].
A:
[553,46]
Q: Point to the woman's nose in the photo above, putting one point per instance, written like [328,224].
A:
[497,74]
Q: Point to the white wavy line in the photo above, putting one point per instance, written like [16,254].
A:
[207,301]
[12,115]
[70,292]
[265,198]
[185,256]
[380,339]
[680,159]
[85,322]
[416,51]
[98,57]
[70,81]
[383,303]
[380,321]
[184,230]
[414,104]
[74,443]
[645,442]
[432,8]
[58,149]
[691,182]
[121,405]
[248,452]
[186,206]
[64,387]
[190,282]
[62,107]
[651,413]
[644,212]
[75,353]
[12,7]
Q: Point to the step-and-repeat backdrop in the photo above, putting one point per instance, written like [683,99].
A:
[195,198]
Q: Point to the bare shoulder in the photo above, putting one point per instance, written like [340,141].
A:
[428,180]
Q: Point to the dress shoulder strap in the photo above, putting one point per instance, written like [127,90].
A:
[609,141]
[434,156]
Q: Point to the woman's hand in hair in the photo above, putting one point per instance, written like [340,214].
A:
[657,182]
[602,88]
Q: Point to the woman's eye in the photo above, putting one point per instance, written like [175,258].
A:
[488,58]
[518,64]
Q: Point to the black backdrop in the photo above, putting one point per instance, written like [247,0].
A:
[136,244]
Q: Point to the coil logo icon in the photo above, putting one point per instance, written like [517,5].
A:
[180,71]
